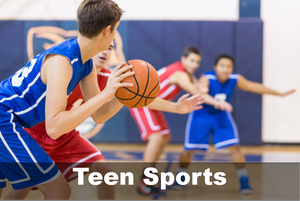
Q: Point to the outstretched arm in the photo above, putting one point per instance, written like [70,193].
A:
[259,88]
[185,104]
[222,105]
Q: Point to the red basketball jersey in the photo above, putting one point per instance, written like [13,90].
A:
[168,91]
[39,131]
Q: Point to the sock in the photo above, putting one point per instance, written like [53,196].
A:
[242,172]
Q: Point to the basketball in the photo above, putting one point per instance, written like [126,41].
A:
[146,85]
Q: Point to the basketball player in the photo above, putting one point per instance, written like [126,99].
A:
[152,123]
[56,72]
[76,151]
[220,84]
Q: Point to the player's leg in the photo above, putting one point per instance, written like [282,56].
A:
[155,131]
[2,182]
[76,151]
[104,191]
[155,146]
[185,158]
[52,192]
[26,163]
[17,194]
[196,138]
[226,136]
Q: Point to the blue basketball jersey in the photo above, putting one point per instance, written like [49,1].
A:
[24,92]
[218,90]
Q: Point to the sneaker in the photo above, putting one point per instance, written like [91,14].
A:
[151,191]
[245,188]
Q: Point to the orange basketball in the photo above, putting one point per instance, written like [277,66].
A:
[146,85]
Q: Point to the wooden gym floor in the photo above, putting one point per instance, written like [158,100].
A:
[134,153]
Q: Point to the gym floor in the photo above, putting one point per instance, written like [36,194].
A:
[134,152]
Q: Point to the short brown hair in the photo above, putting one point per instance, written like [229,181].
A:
[94,15]
[188,50]
[224,56]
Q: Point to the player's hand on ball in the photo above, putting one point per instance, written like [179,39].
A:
[186,104]
[223,105]
[115,78]
[288,93]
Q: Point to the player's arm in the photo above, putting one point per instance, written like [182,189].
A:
[185,104]
[58,76]
[255,87]
[183,80]
[90,89]
[204,88]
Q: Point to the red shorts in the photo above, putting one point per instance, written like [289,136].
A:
[68,151]
[149,121]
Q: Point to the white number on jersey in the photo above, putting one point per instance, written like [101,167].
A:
[220,97]
[16,80]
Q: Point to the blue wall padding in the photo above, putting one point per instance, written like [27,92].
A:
[178,35]
[146,40]
[248,106]
[115,129]
[161,43]
[38,42]
[216,38]
[11,47]
[250,8]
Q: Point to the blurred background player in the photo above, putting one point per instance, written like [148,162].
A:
[72,150]
[220,84]
[152,123]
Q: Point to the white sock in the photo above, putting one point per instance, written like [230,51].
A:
[242,172]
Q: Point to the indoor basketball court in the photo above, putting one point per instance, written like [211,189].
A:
[257,40]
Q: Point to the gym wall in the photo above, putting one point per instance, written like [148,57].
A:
[157,31]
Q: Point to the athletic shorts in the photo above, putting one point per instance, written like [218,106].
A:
[68,151]
[149,122]
[23,162]
[200,125]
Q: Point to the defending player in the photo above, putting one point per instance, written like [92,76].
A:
[72,150]
[39,92]
[152,123]
[220,84]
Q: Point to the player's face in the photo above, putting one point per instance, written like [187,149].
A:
[101,59]
[109,36]
[223,69]
[191,62]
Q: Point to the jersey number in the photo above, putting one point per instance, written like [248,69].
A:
[220,97]
[18,78]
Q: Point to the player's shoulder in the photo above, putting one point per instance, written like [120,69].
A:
[210,75]
[176,65]
[68,49]
[233,76]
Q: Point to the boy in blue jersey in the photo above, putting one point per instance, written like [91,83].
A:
[39,92]
[220,84]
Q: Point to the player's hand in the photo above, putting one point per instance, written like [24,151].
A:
[186,104]
[115,78]
[288,93]
[223,105]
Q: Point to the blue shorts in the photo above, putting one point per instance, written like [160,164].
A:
[200,125]
[22,160]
